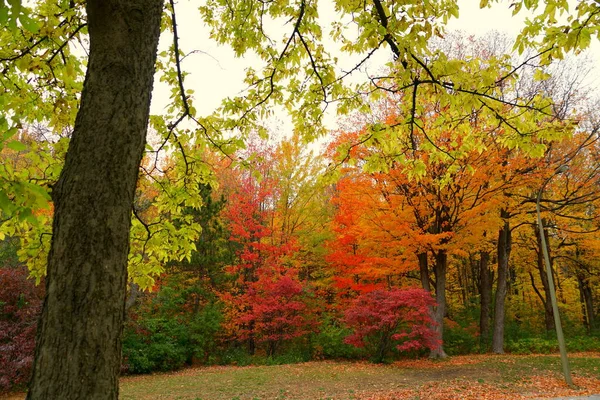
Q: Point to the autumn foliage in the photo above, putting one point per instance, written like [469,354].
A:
[20,306]
[387,319]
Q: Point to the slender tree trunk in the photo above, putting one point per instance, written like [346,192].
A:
[587,301]
[548,312]
[504,248]
[251,342]
[78,350]
[441,265]
[134,292]
[485,297]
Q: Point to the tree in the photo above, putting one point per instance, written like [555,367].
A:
[93,198]
[384,319]
[86,280]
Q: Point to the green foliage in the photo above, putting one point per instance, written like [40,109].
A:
[168,332]
[461,338]
[329,342]
[549,344]
[558,29]
[236,355]
[159,344]
[8,252]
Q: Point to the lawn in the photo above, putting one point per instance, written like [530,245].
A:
[461,377]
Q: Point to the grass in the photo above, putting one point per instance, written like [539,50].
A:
[460,377]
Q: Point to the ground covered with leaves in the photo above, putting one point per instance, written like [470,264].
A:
[461,377]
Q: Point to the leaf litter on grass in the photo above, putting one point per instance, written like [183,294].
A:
[461,377]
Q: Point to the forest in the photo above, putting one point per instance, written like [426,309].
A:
[415,228]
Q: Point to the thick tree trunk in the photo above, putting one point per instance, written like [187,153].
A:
[485,297]
[541,266]
[504,248]
[78,350]
[441,265]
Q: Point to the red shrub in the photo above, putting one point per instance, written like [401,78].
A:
[20,306]
[384,319]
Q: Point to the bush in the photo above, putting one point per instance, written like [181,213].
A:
[237,356]
[394,319]
[549,344]
[534,345]
[330,342]
[459,339]
[583,343]
[20,306]
[163,338]
[158,344]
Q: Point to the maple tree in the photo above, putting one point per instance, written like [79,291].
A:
[385,319]
[267,301]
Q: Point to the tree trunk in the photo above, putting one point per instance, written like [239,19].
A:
[424,271]
[485,297]
[587,301]
[541,266]
[504,248]
[78,350]
[441,264]
[134,292]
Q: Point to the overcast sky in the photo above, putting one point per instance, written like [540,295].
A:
[215,73]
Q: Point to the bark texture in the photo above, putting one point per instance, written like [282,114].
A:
[78,350]
[504,248]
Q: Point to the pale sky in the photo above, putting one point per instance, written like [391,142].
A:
[215,73]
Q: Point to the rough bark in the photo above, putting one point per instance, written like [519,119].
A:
[440,268]
[78,351]
[504,248]
[485,297]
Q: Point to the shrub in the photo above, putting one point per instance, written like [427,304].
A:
[20,306]
[165,335]
[156,344]
[459,339]
[383,320]
[330,341]
[533,345]
[549,344]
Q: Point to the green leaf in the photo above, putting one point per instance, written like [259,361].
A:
[16,145]
[28,23]
[5,203]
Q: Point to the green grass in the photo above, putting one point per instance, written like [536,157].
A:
[460,377]
[346,380]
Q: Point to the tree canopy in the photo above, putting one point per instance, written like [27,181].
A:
[90,196]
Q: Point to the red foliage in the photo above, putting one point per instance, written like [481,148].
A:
[398,317]
[275,311]
[20,306]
